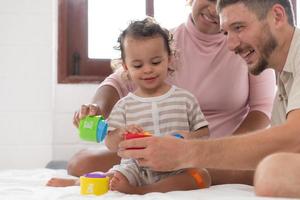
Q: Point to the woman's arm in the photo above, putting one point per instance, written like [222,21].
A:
[108,93]
[261,98]
[102,104]
[255,120]
[105,98]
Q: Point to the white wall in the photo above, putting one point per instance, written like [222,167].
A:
[68,98]
[298,14]
[26,83]
[35,111]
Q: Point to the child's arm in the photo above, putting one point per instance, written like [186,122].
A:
[114,137]
[202,132]
[198,134]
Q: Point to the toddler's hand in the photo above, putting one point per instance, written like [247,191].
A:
[134,129]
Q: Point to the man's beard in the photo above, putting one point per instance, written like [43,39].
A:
[268,47]
[260,67]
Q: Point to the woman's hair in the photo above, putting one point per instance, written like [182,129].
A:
[144,29]
[260,7]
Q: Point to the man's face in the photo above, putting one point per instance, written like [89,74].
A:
[248,36]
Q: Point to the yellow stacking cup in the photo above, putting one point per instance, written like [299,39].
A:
[94,183]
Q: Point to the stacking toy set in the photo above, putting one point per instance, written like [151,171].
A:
[94,183]
[94,129]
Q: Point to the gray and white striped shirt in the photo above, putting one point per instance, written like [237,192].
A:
[175,110]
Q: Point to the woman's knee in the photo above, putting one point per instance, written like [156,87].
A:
[90,160]
[76,165]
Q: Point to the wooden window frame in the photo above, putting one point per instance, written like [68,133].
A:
[74,66]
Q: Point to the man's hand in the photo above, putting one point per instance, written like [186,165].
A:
[159,153]
[85,110]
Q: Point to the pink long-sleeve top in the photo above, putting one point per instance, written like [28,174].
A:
[216,76]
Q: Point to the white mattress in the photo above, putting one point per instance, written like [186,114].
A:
[30,185]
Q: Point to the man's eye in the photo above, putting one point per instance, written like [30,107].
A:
[238,28]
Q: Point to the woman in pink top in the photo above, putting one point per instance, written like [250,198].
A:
[232,100]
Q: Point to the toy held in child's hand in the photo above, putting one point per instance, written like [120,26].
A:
[93,128]
[94,183]
[129,135]
[177,135]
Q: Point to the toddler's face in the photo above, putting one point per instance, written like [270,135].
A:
[147,61]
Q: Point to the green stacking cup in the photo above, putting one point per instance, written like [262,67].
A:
[93,128]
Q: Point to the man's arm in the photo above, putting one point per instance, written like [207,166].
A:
[242,152]
[255,120]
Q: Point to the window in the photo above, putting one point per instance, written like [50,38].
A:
[88,31]
[73,63]
[98,12]
[297,13]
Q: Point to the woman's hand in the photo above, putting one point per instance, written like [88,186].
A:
[85,110]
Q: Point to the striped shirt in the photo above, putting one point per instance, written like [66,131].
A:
[175,110]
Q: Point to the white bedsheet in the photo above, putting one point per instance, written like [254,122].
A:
[30,185]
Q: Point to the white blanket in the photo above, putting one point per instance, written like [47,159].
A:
[30,185]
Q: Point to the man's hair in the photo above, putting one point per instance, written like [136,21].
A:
[260,7]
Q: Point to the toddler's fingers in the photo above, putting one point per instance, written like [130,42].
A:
[134,129]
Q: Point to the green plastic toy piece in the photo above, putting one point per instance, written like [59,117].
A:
[93,128]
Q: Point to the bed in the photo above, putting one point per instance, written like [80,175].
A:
[30,185]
